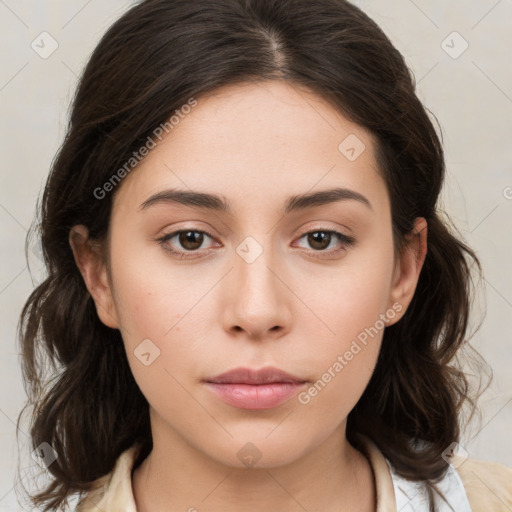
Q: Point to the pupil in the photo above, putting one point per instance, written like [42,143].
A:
[189,238]
[319,238]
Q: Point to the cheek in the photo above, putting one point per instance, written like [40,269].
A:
[353,308]
[152,321]
[350,299]
[148,296]
[340,384]
[342,364]
[161,320]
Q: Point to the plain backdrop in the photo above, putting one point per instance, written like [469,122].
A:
[458,52]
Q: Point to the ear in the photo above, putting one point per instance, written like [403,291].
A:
[408,267]
[90,261]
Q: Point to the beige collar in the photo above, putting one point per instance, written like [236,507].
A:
[385,494]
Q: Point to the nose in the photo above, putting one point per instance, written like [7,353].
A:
[257,297]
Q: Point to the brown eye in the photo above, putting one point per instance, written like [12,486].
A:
[319,240]
[191,240]
[186,243]
[327,242]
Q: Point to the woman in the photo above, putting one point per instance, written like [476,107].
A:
[253,300]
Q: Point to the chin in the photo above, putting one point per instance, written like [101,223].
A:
[258,452]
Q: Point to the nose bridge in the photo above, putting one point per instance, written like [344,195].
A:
[253,269]
[258,303]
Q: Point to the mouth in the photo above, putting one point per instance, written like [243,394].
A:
[246,388]
[268,375]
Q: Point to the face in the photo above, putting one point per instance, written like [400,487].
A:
[271,279]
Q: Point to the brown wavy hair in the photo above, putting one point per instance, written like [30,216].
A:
[83,399]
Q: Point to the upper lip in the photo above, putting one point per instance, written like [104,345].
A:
[249,376]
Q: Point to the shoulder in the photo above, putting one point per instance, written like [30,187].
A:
[468,485]
[488,485]
[412,495]
[396,493]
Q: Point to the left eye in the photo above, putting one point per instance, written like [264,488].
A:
[320,240]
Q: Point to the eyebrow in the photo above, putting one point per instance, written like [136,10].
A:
[218,203]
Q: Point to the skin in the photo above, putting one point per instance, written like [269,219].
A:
[256,145]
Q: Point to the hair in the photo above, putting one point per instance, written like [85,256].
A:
[82,395]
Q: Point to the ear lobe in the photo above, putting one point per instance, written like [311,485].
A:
[91,264]
[408,267]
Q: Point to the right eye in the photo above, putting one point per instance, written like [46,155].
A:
[189,239]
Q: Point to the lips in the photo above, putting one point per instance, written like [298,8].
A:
[246,388]
[266,375]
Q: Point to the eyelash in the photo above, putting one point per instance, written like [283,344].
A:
[346,241]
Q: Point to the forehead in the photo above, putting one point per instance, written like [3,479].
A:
[269,138]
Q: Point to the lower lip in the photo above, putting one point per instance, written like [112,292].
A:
[250,396]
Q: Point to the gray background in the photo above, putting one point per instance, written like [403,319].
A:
[470,93]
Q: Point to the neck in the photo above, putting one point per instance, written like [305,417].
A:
[175,476]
